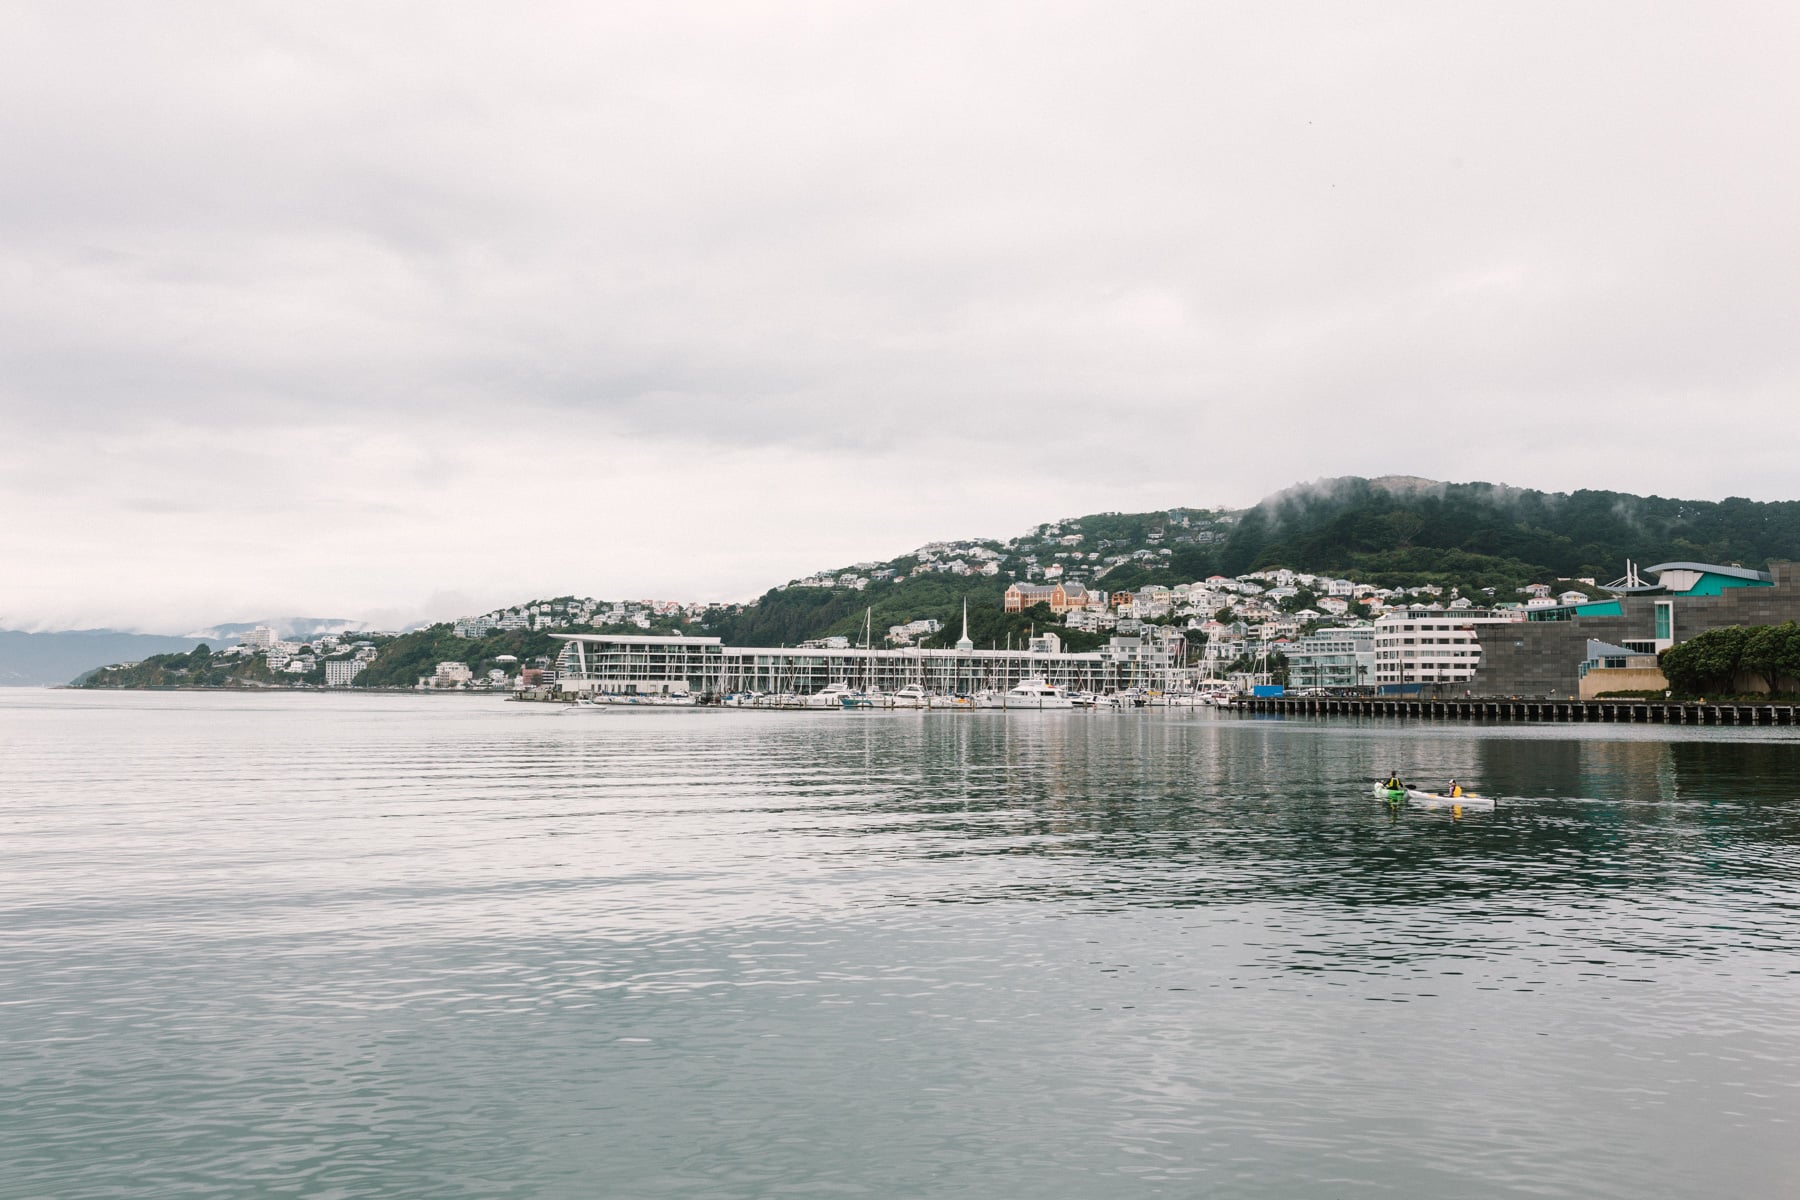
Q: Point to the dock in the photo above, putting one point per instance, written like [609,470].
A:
[1598,712]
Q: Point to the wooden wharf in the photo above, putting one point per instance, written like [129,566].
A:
[1623,712]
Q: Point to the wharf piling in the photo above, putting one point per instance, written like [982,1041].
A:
[1625,712]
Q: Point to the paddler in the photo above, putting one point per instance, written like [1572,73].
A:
[1393,783]
[1455,790]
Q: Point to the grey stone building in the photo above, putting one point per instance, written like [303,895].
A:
[1542,656]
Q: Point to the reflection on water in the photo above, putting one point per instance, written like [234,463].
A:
[378,946]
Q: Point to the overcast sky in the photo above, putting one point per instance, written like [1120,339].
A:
[392,311]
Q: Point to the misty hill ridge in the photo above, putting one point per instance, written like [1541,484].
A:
[1381,524]
[1391,531]
[1374,526]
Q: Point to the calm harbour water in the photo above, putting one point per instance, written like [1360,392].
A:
[349,946]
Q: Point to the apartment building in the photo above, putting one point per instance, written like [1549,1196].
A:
[1434,647]
[1332,658]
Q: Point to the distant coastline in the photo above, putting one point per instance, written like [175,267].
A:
[1484,543]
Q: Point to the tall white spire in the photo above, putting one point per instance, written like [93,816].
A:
[963,643]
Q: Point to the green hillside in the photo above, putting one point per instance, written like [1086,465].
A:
[199,667]
[411,655]
[1392,531]
[403,660]
[1404,527]
[785,617]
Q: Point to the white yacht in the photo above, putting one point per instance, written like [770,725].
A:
[911,696]
[838,695]
[1036,693]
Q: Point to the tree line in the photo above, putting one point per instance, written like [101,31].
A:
[1712,661]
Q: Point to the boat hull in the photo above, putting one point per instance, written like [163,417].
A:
[1434,800]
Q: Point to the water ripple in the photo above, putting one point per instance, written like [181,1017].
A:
[389,946]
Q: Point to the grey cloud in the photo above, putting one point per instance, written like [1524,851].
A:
[1190,251]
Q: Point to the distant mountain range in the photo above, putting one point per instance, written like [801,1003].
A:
[38,659]
[46,659]
[295,629]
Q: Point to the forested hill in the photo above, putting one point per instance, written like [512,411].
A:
[1405,525]
[1391,531]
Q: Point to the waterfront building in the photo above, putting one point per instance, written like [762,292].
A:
[615,664]
[1543,654]
[340,671]
[1431,647]
[1618,669]
[1332,658]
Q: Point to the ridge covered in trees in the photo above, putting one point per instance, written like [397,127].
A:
[1392,531]
[1386,526]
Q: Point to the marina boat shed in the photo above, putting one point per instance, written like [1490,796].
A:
[625,665]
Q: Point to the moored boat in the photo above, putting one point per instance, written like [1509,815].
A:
[911,696]
[831,696]
[1036,693]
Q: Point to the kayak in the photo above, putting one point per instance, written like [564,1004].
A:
[1421,799]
